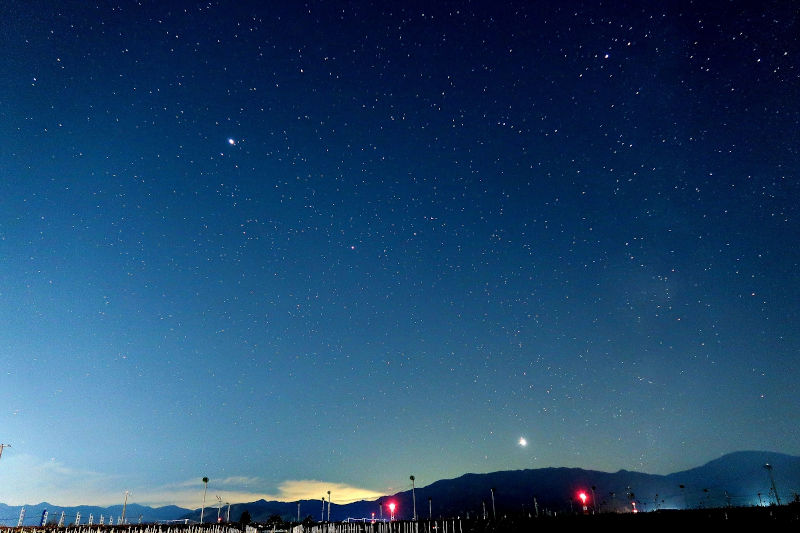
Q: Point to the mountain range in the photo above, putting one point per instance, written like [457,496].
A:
[735,479]
[9,514]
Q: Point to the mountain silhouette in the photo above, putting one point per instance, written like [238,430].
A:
[736,479]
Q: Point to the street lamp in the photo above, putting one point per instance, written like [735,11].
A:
[413,498]
[391,510]
[494,513]
[203,509]
[329,506]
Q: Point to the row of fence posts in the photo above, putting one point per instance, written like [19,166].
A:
[428,526]
[152,528]
[77,523]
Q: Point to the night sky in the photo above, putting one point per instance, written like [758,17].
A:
[309,246]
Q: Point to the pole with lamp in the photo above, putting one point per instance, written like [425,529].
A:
[205,489]
[413,498]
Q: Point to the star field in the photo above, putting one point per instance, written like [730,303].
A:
[347,242]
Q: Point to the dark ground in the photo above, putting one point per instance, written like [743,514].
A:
[781,518]
[692,520]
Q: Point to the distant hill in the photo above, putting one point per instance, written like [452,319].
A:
[9,514]
[737,479]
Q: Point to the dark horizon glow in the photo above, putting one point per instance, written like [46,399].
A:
[325,245]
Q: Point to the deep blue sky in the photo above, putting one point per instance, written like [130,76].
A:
[294,246]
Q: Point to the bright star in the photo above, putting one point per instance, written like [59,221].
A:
[523,442]
[231,141]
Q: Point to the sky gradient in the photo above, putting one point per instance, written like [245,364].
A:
[299,245]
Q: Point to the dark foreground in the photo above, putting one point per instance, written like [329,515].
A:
[692,520]
[778,518]
[775,518]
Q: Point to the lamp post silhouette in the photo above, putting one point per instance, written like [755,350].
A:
[203,509]
[494,512]
[413,498]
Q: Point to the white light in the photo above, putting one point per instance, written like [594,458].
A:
[523,442]
[231,141]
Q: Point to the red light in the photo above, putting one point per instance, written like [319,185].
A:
[391,507]
[582,496]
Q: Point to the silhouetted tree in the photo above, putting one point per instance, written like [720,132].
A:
[245,518]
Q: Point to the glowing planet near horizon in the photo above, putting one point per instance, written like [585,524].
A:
[523,442]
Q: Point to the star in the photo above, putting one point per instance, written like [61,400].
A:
[523,442]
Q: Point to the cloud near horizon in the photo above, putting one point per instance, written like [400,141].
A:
[232,490]
[35,480]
